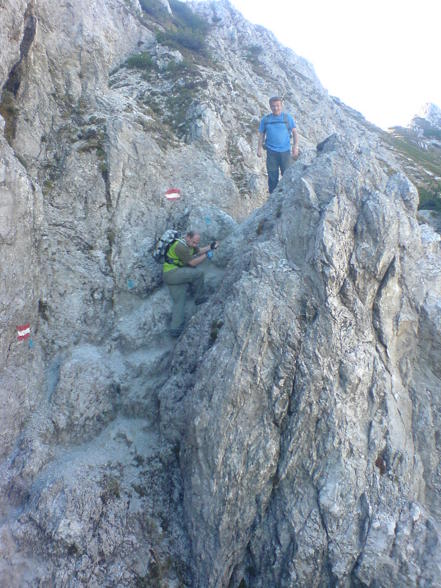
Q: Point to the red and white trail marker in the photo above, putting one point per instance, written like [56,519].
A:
[173,194]
[24,332]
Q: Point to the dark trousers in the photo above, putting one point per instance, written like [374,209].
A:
[276,160]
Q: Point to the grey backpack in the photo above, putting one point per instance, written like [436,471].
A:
[163,244]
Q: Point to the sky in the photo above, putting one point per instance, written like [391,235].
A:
[381,57]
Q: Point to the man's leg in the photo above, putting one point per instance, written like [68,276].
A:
[178,294]
[272,167]
[177,281]
[285,160]
[197,284]
[187,275]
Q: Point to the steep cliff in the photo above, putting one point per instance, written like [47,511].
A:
[290,436]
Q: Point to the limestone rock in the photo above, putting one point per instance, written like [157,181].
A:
[311,440]
[289,436]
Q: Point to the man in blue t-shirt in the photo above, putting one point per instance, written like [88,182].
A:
[275,132]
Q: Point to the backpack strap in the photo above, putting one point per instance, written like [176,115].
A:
[266,121]
[171,259]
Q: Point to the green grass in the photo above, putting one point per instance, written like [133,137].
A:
[179,68]
[430,199]
[153,8]
[187,18]
[420,157]
[183,29]
[183,37]
[404,141]
[141,61]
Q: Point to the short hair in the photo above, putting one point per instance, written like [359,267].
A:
[275,99]
[192,233]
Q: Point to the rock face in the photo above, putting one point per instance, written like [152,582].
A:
[309,465]
[290,436]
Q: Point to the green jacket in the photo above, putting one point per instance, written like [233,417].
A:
[178,255]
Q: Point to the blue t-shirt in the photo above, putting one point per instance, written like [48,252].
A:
[278,133]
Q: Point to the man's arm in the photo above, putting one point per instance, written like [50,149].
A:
[199,258]
[295,143]
[260,144]
[201,255]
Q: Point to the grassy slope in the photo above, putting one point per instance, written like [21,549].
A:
[423,166]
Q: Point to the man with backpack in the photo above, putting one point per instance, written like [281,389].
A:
[180,270]
[275,132]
